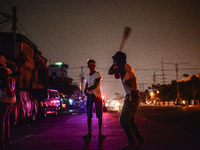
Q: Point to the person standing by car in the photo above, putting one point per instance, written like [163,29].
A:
[7,99]
[93,92]
[127,118]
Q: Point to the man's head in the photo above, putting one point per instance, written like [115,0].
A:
[2,60]
[120,57]
[91,64]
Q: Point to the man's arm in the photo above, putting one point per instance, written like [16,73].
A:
[94,86]
[85,90]
[114,70]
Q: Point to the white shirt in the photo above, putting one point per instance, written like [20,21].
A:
[90,79]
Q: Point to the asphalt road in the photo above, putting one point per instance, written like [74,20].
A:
[164,128]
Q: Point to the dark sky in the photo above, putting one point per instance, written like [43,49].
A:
[72,31]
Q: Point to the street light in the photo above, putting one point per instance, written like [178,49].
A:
[59,64]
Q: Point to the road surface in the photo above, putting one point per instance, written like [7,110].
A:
[164,128]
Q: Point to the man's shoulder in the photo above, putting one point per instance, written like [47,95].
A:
[127,66]
[98,74]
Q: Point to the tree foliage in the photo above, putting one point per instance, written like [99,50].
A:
[65,86]
[188,90]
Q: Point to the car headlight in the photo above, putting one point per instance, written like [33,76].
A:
[116,103]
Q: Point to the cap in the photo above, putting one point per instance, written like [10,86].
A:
[120,57]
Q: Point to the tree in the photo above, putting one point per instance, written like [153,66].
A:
[187,89]
[65,86]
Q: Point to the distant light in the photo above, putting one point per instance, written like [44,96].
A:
[58,64]
[183,102]
[116,103]
[70,101]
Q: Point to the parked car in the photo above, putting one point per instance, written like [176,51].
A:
[48,101]
[25,107]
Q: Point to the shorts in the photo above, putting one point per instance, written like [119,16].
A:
[98,105]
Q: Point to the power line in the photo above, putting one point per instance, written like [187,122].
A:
[5,25]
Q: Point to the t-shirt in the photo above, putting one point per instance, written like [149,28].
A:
[3,91]
[90,79]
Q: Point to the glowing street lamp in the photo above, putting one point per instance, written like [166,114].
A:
[58,64]
[152,95]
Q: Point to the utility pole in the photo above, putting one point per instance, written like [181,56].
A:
[141,86]
[176,69]
[154,81]
[163,73]
[154,78]
[14,28]
[82,78]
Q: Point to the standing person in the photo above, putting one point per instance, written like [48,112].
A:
[127,118]
[7,99]
[93,92]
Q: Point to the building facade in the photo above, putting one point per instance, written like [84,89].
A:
[27,59]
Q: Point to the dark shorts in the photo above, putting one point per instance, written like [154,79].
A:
[98,105]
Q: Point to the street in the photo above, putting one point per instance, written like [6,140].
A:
[174,128]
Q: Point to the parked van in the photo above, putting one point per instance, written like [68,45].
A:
[48,101]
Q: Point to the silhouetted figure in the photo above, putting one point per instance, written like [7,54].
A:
[7,99]
[93,92]
[127,119]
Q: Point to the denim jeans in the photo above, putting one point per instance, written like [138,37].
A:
[127,119]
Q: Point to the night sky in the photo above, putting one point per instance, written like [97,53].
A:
[73,31]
